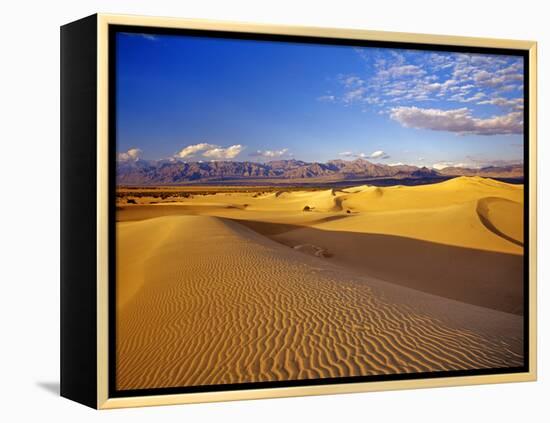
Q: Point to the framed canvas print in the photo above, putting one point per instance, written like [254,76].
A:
[253,211]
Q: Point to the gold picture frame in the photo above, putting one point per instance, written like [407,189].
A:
[98,28]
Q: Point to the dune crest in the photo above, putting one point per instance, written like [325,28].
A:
[503,217]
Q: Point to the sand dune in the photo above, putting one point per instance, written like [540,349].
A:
[219,303]
[453,212]
[503,217]
[454,191]
[245,286]
[479,277]
[434,225]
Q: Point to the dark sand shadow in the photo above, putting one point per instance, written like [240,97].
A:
[483,278]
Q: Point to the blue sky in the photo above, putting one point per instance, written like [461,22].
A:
[193,98]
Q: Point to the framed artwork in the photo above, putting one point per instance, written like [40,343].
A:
[254,211]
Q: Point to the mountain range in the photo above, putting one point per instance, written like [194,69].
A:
[146,172]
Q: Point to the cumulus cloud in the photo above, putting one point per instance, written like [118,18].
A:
[221,153]
[193,149]
[438,87]
[379,155]
[210,151]
[271,154]
[459,121]
[131,155]
[443,165]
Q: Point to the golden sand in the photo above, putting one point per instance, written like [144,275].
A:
[243,287]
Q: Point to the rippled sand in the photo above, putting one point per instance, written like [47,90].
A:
[233,288]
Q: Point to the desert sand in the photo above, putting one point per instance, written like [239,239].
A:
[232,286]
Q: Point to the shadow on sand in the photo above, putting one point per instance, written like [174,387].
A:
[483,278]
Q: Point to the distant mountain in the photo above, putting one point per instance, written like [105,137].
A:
[144,172]
[510,171]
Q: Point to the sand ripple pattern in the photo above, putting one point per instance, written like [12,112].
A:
[221,304]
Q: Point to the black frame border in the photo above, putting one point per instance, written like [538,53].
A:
[113,392]
[78,211]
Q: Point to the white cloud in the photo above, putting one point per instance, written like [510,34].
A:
[402,78]
[512,69]
[403,70]
[131,155]
[354,95]
[378,155]
[482,75]
[497,80]
[443,165]
[459,121]
[475,97]
[509,87]
[220,153]
[396,164]
[441,86]
[270,154]
[210,151]
[355,89]
[191,150]
[516,103]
